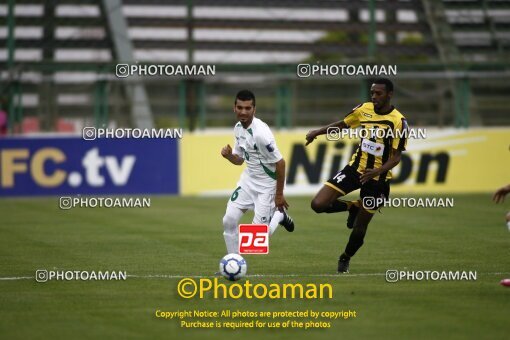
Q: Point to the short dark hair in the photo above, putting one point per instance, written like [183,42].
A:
[385,81]
[245,95]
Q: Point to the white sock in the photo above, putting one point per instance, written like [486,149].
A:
[275,220]
[508,225]
[230,225]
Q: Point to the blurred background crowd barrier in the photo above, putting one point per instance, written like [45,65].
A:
[58,58]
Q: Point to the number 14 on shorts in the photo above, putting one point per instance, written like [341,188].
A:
[253,239]
[339,177]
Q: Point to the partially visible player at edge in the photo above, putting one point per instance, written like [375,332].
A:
[260,187]
[369,168]
[499,197]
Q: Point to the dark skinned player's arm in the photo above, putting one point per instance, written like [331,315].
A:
[390,164]
[323,130]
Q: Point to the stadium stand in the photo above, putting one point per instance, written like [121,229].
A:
[60,60]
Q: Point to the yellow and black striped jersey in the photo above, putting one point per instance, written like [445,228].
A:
[377,148]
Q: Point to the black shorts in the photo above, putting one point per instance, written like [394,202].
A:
[371,193]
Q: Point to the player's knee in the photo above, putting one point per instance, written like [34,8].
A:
[229,221]
[317,206]
[362,220]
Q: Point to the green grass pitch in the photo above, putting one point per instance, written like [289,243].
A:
[183,236]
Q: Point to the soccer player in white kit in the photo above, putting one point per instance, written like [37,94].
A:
[260,187]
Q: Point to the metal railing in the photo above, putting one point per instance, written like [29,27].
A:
[422,92]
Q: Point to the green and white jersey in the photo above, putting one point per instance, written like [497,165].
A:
[256,145]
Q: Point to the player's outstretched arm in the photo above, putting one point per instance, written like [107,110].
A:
[312,134]
[499,196]
[279,199]
[226,152]
[392,162]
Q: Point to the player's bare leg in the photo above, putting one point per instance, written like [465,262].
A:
[327,201]
[359,230]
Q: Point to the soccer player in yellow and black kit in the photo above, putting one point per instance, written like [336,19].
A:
[370,166]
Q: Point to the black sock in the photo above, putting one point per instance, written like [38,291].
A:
[337,206]
[344,257]
[355,242]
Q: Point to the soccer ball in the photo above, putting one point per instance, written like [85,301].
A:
[233,267]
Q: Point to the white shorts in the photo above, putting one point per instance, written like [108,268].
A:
[246,197]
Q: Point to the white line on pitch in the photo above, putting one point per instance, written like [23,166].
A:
[164,276]
[16,278]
